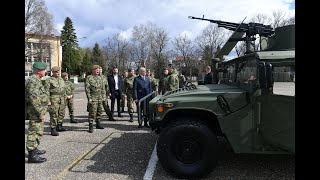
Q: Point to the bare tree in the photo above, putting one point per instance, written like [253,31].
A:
[184,47]
[39,23]
[117,51]
[141,43]
[210,39]
[159,41]
[281,18]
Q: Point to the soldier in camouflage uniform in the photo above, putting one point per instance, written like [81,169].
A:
[163,82]
[182,79]
[105,103]
[37,101]
[173,79]
[57,89]
[154,81]
[128,91]
[123,98]
[70,95]
[96,94]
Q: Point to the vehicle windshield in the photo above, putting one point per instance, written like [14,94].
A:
[240,73]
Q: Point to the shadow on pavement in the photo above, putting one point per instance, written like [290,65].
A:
[128,155]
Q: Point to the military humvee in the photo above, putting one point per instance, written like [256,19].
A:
[241,107]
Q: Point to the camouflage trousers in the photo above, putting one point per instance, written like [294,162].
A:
[57,110]
[130,102]
[95,111]
[70,106]
[35,131]
[123,101]
[106,108]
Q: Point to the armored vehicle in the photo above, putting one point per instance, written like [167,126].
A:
[241,106]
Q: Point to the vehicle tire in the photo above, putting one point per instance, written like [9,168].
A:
[187,148]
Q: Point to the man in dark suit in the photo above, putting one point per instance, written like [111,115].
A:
[115,89]
[141,88]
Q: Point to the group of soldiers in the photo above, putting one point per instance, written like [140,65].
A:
[56,93]
[51,95]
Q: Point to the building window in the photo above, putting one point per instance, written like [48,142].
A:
[27,59]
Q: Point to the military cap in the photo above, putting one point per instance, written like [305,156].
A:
[55,68]
[95,67]
[171,65]
[40,65]
[64,74]
[148,70]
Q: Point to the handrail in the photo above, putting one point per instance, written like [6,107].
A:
[144,107]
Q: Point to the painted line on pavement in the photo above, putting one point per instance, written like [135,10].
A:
[152,164]
[74,163]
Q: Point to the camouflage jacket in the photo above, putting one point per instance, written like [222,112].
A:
[95,88]
[173,81]
[154,83]
[105,82]
[128,84]
[69,88]
[56,87]
[163,84]
[36,98]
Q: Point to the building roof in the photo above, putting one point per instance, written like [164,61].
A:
[38,35]
[179,58]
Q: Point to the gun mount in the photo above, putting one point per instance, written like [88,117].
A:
[250,30]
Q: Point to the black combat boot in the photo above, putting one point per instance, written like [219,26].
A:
[122,110]
[131,118]
[111,118]
[60,128]
[72,120]
[119,114]
[146,123]
[90,128]
[34,158]
[54,132]
[39,152]
[98,125]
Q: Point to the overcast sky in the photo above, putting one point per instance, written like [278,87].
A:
[98,19]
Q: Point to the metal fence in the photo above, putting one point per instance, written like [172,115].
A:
[144,100]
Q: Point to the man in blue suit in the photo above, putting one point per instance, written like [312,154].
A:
[141,88]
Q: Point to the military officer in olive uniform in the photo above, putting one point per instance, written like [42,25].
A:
[105,103]
[37,101]
[128,91]
[70,95]
[163,81]
[96,94]
[173,79]
[123,98]
[57,90]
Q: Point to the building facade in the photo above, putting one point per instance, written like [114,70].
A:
[44,48]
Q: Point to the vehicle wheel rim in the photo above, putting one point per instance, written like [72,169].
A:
[188,152]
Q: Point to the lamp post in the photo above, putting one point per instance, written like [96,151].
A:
[70,57]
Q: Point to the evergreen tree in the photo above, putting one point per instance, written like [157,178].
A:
[86,62]
[98,57]
[70,55]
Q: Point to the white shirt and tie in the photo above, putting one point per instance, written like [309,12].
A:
[116,81]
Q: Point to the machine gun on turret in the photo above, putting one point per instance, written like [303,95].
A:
[250,30]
